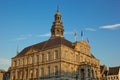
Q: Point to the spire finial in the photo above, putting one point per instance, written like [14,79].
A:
[57,8]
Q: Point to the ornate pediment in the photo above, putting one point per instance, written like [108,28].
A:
[30,51]
[82,46]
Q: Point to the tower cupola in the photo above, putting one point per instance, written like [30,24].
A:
[57,29]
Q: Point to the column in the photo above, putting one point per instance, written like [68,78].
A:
[16,74]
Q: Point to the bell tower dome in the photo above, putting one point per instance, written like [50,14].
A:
[57,29]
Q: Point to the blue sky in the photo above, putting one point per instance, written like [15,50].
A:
[27,22]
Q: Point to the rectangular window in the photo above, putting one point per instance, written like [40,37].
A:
[32,59]
[56,70]
[42,72]
[48,70]
[31,74]
[19,62]
[23,61]
[26,74]
[37,58]
[48,56]
[37,73]
[27,60]
[42,57]
[14,63]
[56,54]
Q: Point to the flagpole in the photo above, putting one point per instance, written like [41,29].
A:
[75,35]
[88,40]
[82,35]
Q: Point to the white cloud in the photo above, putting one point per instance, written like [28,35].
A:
[49,34]
[4,61]
[68,32]
[90,29]
[23,37]
[44,35]
[110,26]
[20,38]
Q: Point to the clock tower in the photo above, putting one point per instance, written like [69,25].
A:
[57,29]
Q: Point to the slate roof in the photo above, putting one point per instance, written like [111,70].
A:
[47,44]
[113,70]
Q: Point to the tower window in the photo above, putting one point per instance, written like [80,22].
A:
[57,31]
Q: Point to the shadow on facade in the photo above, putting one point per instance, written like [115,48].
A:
[84,72]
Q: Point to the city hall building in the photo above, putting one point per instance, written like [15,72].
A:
[56,59]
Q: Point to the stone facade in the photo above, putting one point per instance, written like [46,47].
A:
[56,59]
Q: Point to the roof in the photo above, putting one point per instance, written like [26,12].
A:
[113,70]
[47,44]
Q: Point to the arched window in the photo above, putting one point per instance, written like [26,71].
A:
[58,31]
[88,72]
[82,74]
